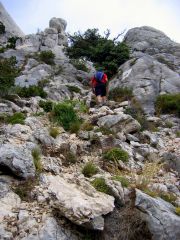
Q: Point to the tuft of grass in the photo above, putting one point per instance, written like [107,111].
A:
[36,153]
[89,169]
[54,132]
[70,158]
[120,94]
[168,124]
[168,103]
[100,185]
[87,126]
[104,130]
[65,115]
[177,211]
[16,118]
[168,197]
[73,89]
[178,134]
[123,180]
[116,154]
[150,170]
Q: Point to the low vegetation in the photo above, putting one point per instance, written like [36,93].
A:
[89,169]
[168,103]
[46,105]
[116,154]
[65,115]
[120,94]
[100,185]
[2,28]
[54,131]
[9,71]
[12,42]
[177,211]
[73,89]
[31,91]
[47,57]
[79,64]
[16,118]
[122,179]
[36,154]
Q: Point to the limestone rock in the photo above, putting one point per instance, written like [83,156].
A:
[162,221]
[58,23]
[120,122]
[18,159]
[9,23]
[81,203]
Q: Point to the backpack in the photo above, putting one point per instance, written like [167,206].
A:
[99,76]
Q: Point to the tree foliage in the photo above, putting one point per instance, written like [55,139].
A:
[105,53]
[8,72]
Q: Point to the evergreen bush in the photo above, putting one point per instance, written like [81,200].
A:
[47,57]
[116,154]
[89,169]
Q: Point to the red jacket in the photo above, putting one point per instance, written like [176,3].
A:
[94,83]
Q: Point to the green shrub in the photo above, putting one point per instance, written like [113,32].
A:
[89,169]
[73,89]
[65,115]
[123,180]
[12,42]
[31,91]
[103,52]
[46,105]
[47,57]
[36,153]
[168,124]
[100,185]
[54,132]
[116,154]
[8,72]
[177,211]
[168,103]
[16,118]
[2,28]
[2,49]
[120,94]
[79,65]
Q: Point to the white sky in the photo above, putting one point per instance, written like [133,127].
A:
[115,15]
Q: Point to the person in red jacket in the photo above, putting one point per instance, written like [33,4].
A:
[99,86]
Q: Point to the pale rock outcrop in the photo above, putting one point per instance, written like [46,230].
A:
[79,202]
[18,159]
[153,69]
[119,122]
[10,26]
[8,201]
[162,221]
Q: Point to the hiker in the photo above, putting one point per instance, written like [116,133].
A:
[99,87]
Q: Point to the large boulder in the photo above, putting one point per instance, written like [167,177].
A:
[18,159]
[119,123]
[58,23]
[79,202]
[154,68]
[162,221]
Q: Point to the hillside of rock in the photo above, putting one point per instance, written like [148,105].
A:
[72,170]
[154,67]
